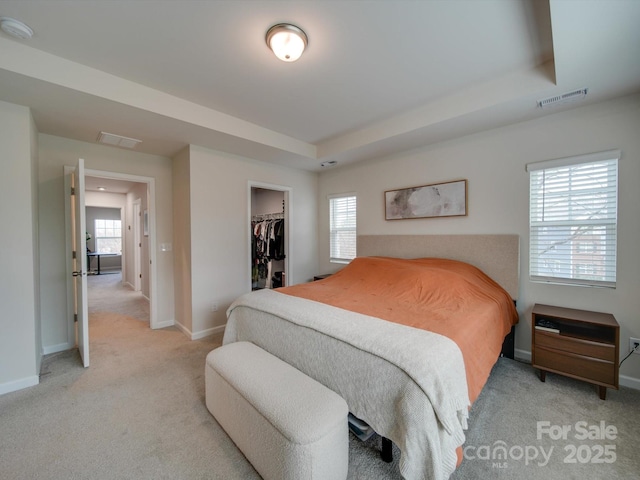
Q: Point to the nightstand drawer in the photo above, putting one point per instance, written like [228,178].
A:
[577,365]
[579,346]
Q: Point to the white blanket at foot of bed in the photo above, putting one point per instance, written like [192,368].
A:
[408,384]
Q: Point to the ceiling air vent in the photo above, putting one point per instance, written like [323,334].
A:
[562,99]
[329,163]
[117,140]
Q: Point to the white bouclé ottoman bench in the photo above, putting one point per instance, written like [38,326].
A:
[289,426]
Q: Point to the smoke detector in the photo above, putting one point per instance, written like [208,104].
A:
[563,99]
[15,28]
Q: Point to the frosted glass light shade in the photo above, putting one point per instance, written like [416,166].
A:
[287,41]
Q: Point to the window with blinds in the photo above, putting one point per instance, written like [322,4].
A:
[342,227]
[573,220]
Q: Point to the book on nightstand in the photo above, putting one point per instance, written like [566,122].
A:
[547,325]
[547,329]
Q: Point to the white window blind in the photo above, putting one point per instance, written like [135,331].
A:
[573,220]
[342,225]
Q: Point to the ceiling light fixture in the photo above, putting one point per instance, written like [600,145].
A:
[15,28]
[102,189]
[287,41]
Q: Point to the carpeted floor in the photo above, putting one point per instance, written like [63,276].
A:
[508,412]
[107,294]
[139,412]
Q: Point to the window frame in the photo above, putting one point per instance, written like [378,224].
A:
[348,197]
[97,237]
[576,191]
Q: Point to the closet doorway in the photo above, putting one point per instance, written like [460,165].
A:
[269,235]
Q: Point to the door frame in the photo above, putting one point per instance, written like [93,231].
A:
[68,246]
[153,275]
[288,261]
[137,240]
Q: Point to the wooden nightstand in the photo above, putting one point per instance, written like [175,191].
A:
[576,343]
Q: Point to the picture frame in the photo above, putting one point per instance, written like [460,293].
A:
[145,223]
[446,199]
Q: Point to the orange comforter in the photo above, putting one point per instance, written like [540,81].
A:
[447,297]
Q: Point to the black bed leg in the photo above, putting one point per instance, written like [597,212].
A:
[386,454]
[508,346]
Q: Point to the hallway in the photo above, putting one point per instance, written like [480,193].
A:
[107,294]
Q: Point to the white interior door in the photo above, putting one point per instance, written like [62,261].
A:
[78,231]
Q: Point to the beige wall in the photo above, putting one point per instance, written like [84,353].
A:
[98,212]
[211,209]
[219,212]
[266,201]
[20,349]
[124,201]
[182,240]
[494,164]
[55,153]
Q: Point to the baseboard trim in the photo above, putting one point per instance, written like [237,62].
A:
[202,333]
[168,323]
[16,385]
[208,332]
[183,329]
[61,347]
[631,382]
[522,355]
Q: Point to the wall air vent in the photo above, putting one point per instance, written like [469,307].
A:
[563,99]
[117,140]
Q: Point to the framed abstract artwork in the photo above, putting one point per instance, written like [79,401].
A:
[447,199]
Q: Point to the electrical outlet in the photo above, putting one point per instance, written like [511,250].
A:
[214,307]
[632,343]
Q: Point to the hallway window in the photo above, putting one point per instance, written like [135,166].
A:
[108,236]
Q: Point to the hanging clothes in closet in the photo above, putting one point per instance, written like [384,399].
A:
[267,244]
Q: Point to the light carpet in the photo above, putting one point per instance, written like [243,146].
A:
[139,412]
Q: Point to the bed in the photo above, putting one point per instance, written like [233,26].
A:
[411,385]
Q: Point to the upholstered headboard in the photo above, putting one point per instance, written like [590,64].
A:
[496,255]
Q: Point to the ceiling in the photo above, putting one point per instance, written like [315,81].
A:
[378,77]
[108,185]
